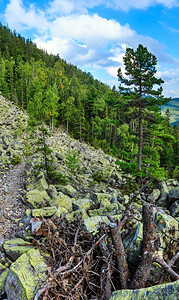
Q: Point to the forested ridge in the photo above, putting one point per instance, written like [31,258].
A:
[60,94]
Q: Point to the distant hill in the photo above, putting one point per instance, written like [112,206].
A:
[173,106]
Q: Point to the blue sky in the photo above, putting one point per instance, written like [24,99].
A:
[93,34]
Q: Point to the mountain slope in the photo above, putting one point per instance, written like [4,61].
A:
[173,106]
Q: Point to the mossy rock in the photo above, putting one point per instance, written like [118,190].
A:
[37,199]
[3,275]
[168,291]
[15,247]
[102,199]
[166,223]
[111,209]
[68,190]
[39,184]
[44,212]
[63,201]
[26,275]
[92,224]
[83,203]
[77,214]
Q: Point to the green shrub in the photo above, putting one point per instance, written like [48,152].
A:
[17,160]
[176,173]
[99,177]
[72,161]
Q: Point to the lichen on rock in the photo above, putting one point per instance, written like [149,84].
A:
[26,275]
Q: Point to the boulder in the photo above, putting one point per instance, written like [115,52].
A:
[39,183]
[164,193]
[15,247]
[133,244]
[68,190]
[47,211]
[26,275]
[92,224]
[3,276]
[63,203]
[174,209]
[174,194]
[111,209]
[101,198]
[37,199]
[153,196]
[83,203]
[168,291]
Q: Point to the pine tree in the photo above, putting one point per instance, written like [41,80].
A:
[138,83]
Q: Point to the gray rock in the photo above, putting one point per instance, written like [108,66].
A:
[168,291]
[3,276]
[174,209]
[133,244]
[163,200]
[26,275]
[15,247]
[174,194]
[153,196]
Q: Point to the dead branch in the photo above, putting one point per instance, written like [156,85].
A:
[144,267]
[106,272]
[85,256]
[42,290]
[166,266]
[120,252]
[66,267]
[174,259]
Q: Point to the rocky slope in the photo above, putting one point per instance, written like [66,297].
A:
[89,186]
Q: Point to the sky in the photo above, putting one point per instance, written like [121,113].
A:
[94,34]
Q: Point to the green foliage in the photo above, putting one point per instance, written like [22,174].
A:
[17,160]
[138,83]
[99,177]
[176,173]
[72,161]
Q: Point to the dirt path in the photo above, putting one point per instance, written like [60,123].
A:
[12,191]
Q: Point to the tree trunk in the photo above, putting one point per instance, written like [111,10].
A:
[144,267]
[121,254]
[140,133]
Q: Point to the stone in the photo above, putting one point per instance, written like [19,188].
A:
[15,247]
[47,211]
[37,199]
[92,224]
[153,196]
[174,194]
[36,225]
[3,276]
[168,291]
[111,209]
[39,184]
[26,275]
[77,214]
[83,203]
[68,190]
[101,198]
[167,224]
[164,193]
[172,182]
[63,202]
[174,209]
[133,244]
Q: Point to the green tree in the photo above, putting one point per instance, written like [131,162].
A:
[138,83]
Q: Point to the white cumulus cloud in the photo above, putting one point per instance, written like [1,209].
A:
[18,17]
